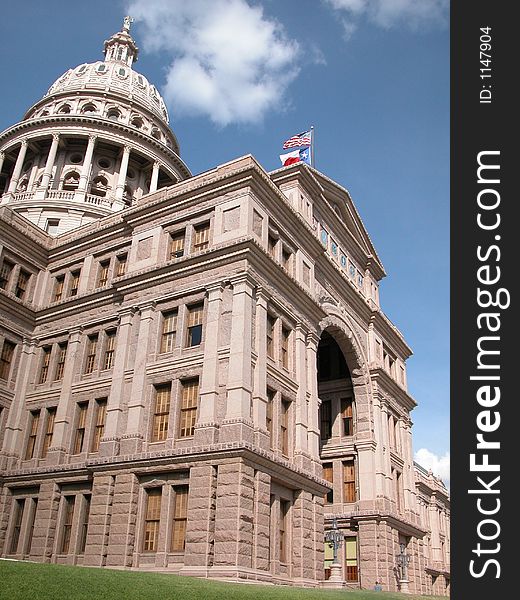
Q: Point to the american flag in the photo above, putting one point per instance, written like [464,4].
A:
[301,139]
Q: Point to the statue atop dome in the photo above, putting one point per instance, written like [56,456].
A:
[127,22]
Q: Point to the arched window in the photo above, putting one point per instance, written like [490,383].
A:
[99,186]
[22,184]
[71,181]
[64,109]
[113,114]
[137,122]
[89,109]
[156,133]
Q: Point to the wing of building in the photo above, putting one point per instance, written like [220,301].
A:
[196,375]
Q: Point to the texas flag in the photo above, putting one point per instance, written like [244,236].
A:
[303,155]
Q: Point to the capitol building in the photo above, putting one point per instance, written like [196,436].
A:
[196,375]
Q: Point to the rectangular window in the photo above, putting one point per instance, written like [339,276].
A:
[99,428]
[122,260]
[169,331]
[19,506]
[177,244]
[391,432]
[287,260]
[162,412]
[398,494]
[351,558]
[46,359]
[5,359]
[195,325]
[92,342]
[49,430]
[325,420]
[52,225]
[74,283]
[152,519]
[60,363]
[347,417]
[180,518]
[110,345]
[21,284]
[68,516]
[84,524]
[58,288]
[284,427]
[30,532]
[33,432]
[189,401]
[328,475]
[285,347]
[79,437]
[103,273]
[284,511]
[200,237]
[5,273]
[271,322]
[349,481]
[269,415]
[271,246]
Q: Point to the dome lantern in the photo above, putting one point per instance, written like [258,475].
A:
[121,46]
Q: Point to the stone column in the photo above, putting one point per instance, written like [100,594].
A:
[41,192]
[79,195]
[46,522]
[389,490]
[155,177]
[109,445]
[17,167]
[313,431]
[2,158]
[261,435]
[301,454]
[100,517]
[302,549]
[378,435]
[237,424]
[132,441]
[121,180]
[206,428]
[262,518]
[121,532]
[65,412]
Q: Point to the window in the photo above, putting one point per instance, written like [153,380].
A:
[79,437]
[325,420]
[284,510]
[180,517]
[46,359]
[68,515]
[60,364]
[285,347]
[328,475]
[194,325]
[21,284]
[398,492]
[346,417]
[113,114]
[391,432]
[19,506]
[287,259]
[161,412]
[351,558]
[99,428]
[200,237]
[269,415]
[84,524]
[271,322]
[110,344]
[189,400]
[152,519]
[284,427]
[271,245]
[5,273]
[121,265]
[52,225]
[92,342]
[169,331]
[30,531]
[58,288]
[49,430]
[177,244]
[103,273]
[349,481]
[33,432]
[74,283]
[5,359]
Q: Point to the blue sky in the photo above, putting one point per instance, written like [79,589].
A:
[372,76]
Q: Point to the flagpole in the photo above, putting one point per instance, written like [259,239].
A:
[312,147]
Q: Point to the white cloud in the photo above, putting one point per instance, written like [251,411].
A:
[440,465]
[413,14]
[228,61]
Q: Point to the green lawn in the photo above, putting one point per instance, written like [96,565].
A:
[33,581]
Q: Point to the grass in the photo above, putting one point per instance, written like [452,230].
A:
[34,581]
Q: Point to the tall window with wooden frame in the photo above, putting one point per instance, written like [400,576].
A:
[271,245]
[284,347]
[81,424]
[161,416]
[58,288]
[169,331]
[189,402]
[351,558]
[68,516]
[102,278]
[121,263]
[271,323]
[283,530]
[194,333]
[6,357]
[347,416]
[284,426]
[92,344]
[325,420]
[269,415]
[30,529]
[60,361]
[19,506]
[20,289]
[46,360]
[391,432]
[176,249]
[99,427]
[200,237]
[349,481]
[84,524]
[152,519]
[74,283]
[180,518]
[287,260]
[110,346]
[5,274]
[34,421]
[49,430]
[328,475]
